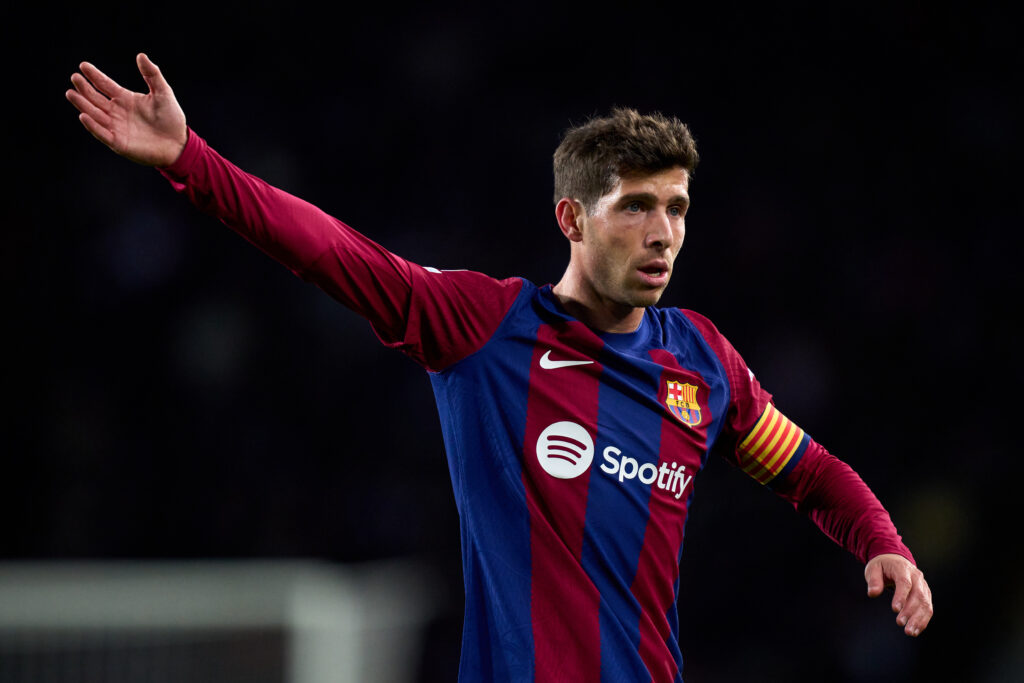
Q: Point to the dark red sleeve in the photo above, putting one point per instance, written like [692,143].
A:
[827,490]
[767,446]
[436,317]
[747,399]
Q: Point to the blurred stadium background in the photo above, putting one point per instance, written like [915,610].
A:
[190,425]
[246,621]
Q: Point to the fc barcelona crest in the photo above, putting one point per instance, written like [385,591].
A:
[681,399]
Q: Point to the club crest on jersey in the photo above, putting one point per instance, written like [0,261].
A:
[681,400]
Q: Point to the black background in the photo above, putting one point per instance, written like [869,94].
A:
[173,393]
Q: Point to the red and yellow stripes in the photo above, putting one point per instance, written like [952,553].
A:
[769,446]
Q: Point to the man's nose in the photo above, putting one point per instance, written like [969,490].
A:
[659,231]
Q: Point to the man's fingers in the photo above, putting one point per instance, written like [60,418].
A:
[901,586]
[96,130]
[917,611]
[83,104]
[102,82]
[88,92]
[876,583]
[915,617]
[149,128]
[152,75]
[912,598]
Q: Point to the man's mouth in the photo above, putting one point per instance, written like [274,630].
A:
[654,272]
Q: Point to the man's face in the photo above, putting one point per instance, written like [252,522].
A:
[632,236]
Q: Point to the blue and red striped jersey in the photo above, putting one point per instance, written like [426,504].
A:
[573,455]
[572,452]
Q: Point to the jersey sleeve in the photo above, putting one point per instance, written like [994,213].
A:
[774,451]
[435,317]
[747,399]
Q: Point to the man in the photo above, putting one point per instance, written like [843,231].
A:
[576,416]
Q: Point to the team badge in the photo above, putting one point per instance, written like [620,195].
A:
[681,399]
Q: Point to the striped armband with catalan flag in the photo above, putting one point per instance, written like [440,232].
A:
[773,447]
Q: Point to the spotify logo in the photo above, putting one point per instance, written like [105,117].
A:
[565,450]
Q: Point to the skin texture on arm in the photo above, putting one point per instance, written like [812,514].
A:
[147,128]
[912,598]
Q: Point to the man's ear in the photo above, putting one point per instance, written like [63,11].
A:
[570,215]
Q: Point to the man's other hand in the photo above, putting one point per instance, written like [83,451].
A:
[912,598]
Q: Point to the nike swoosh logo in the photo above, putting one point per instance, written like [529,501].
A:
[548,364]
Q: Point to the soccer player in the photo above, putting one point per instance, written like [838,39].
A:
[574,487]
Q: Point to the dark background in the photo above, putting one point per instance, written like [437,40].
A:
[173,393]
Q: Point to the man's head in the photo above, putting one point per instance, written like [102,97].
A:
[592,158]
[621,196]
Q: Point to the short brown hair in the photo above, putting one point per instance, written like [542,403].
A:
[593,157]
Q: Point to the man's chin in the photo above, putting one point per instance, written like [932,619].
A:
[648,298]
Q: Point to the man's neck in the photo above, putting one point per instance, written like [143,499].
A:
[596,312]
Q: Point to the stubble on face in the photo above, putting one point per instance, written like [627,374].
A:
[635,233]
[623,248]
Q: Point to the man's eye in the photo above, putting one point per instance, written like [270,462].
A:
[675,211]
[634,207]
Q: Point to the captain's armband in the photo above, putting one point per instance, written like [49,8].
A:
[772,448]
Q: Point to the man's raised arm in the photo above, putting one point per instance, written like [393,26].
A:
[436,318]
[148,128]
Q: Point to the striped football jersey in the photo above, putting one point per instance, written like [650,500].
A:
[573,453]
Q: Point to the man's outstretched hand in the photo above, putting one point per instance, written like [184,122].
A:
[148,128]
[911,599]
